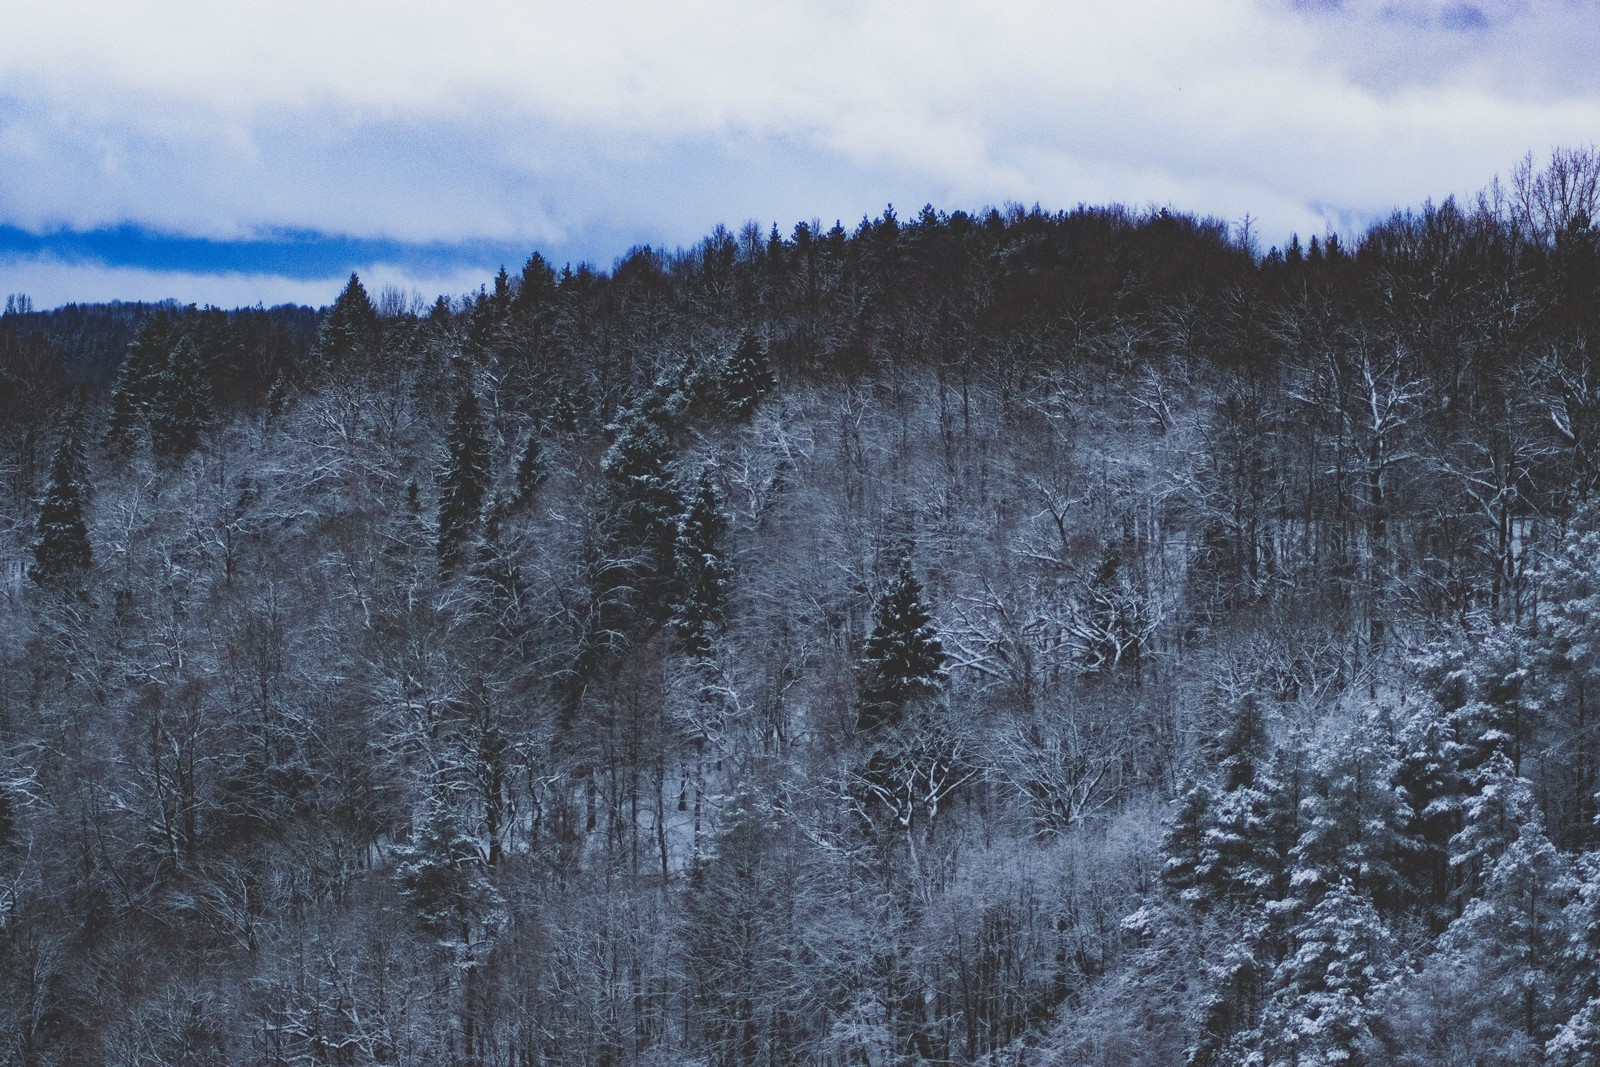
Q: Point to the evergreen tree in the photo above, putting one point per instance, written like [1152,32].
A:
[486,322]
[61,547]
[1320,1011]
[1497,807]
[1564,692]
[350,331]
[701,581]
[145,362]
[1577,1041]
[442,875]
[464,482]
[748,377]
[1509,940]
[1190,860]
[1245,745]
[181,405]
[537,291]
[531,470]
[1435,794]
[1355,821]
[644,507]
[903,658]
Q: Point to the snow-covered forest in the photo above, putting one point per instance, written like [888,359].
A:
[1005,638]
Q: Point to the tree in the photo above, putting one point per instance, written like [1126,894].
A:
[350,331]
[643,507]
[1577,1041]
[146,360]
[1356,824]
[1321,1009]
[748,377]
[181,406]
[464,482]
[61,547]
[531,470]
[1509,940]
[903,658]
[443,876]
[702,579]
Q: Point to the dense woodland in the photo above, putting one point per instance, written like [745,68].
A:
[1003,638]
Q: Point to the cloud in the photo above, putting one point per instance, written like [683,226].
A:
[587,128]
[51,281]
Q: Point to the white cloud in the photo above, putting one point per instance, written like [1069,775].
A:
[425,121]
[51,281]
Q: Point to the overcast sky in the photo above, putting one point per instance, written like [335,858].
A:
[259,151]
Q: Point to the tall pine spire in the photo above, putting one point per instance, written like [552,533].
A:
[464,481]
[350,329]
[748,377]
[61,548]
[903,658]
[701,577]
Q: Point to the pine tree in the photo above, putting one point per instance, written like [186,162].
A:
[1355,818]
[701,581]
[1577,1041]
[1509,938]
[531,471]
[61,548]
[1435,793]
[442,875]
[1245,745]
[146,361]
[350,331]
[644,506]
[537,291]
[1189,867]
[903,658]
[181,405]
[464,482]
[1320,1010]
[748,377]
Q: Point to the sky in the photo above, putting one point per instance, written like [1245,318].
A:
[258,151]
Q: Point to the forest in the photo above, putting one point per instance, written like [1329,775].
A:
[1011,637]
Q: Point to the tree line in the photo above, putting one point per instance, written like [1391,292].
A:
[1008,637]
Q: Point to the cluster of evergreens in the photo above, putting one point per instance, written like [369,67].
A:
[1000,638]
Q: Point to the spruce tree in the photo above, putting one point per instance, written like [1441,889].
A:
[748,377]
[645,501]
[531,471]
[1356,825]
[701,578]
[441,873]
[903,658]
[61,548]
[145,362]
[350,330]
[464,482]
[1188,868]
[1321,1009]
[181,405]
[1509,938]
[1577,1041]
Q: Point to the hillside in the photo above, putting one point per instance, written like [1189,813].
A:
[1017,637]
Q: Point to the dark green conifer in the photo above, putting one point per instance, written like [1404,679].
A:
[464,481]
[531,471]
[903,658]
[350,330]
[748,376]
[61,548]
[145,362]
[701,579]
[181,406]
